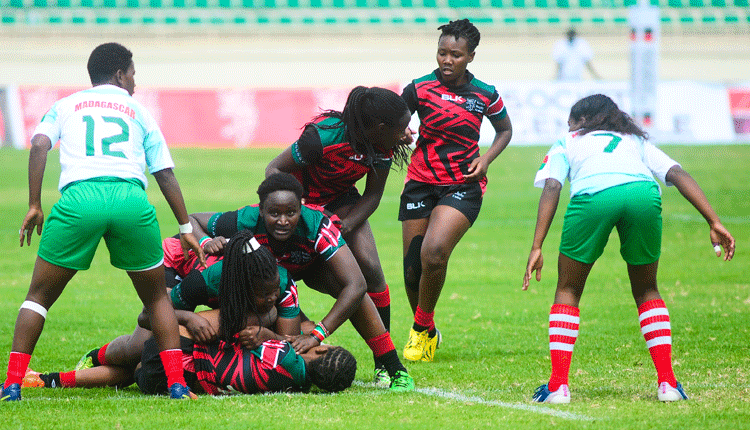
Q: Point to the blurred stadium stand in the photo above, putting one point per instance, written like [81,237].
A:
[299,16]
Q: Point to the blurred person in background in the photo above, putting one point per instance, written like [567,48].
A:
[571,54]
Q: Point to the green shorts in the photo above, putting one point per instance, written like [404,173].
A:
[112,208]
[633,208]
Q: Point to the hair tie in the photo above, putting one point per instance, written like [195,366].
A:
[251,246]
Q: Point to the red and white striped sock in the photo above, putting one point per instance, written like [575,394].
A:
[657,331]
[564,321]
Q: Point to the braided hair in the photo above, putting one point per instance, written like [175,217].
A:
[246,264]
[601,113]
[105,60]
[280,182]
[366,108]
[462,28]
[334,371]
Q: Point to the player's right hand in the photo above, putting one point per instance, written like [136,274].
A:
[34,218]
[215,246]
[188,242]
[201,330]
[536,261]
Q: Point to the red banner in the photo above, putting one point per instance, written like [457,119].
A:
[233,118]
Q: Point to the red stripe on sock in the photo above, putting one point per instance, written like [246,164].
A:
[17,364]
[424,319]
[68,379]
[101,355]
[651,304]
[661,355]
[559,359]
[172,361]
[381,344]
[381,299]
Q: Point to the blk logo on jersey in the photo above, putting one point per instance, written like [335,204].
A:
[412,206]
[456,99]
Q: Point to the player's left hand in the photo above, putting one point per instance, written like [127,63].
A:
[477,170]
[721,238]
[304,343]
[34,218]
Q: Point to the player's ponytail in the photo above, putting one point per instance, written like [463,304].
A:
[246,264]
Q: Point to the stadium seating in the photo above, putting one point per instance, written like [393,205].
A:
[307,15]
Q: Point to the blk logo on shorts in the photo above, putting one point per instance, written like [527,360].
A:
[459,195]
[412,206]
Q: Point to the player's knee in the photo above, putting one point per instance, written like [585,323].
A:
[435,257]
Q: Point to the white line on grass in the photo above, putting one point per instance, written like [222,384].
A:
[452,395]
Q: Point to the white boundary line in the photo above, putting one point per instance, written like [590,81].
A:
[452,395]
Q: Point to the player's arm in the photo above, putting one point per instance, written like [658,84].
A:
[170,188]
[344,268]
[40,146]
[283,162]
[546,213]
[694,194]
[200,220]
[366,205]
[480,165]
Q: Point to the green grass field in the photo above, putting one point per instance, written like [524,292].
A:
[495,350]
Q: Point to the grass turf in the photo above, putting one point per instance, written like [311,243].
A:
[495,350]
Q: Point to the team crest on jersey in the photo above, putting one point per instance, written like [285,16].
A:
[357,157]
[544,162]
[474,105]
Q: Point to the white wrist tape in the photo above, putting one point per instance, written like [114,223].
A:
[34,307]
[186,228]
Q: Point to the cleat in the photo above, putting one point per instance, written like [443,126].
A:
[86,362]
[544,395]
[181,392]
[32,379]
[430,345]
[402,382]
[11,393]
[668,393]
[382,379]
[439,338]
[414,349]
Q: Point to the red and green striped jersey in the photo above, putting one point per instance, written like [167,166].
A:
[225,368]
[330,166]
[450,118]
[315,238]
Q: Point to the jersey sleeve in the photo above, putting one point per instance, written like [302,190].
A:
[329,239]
[410,97]
[308,149]
[658,162]
[222,224]
[49,125]
[155,146]
[288,303]
[191,292]
[496,109]
[554,166]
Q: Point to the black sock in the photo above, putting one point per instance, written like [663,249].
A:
[390,361]
[51,380]
[94,354]
[418,328]
[385,316]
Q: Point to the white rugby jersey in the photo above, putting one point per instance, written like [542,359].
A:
[602,159]
[103,131]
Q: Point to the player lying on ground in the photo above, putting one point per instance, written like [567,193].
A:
[224,367]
